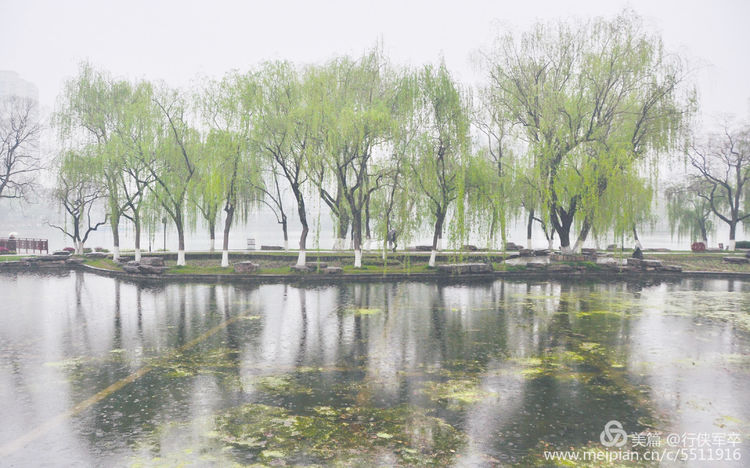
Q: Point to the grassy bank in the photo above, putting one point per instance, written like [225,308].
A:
[9,258]
[711,261]
[279,263]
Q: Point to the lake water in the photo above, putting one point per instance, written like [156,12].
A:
[100,372]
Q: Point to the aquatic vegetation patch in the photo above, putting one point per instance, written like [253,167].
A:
[323,434]
[284,384]
[730,307]
[455,394]
[211,361]
[363,311]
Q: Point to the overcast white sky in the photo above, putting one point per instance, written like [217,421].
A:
[176,40]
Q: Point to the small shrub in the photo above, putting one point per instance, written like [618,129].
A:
[86,250]
[742,245]
[69,249]
[4,251]
[101,249]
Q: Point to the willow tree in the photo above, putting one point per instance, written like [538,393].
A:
[97,109]
[79,190]
[436,165]
[86,113]
[135,148]
[356,110]
[723,161]
[496,186]
[178,149]
[231,171]
[284,132]
[689,210]
[593,101]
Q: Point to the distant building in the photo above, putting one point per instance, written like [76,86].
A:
[11,84]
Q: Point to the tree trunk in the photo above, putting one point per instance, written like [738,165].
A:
[635,236]
[582,236]
[367,225]
[437,234]
[357,238]
[180,241]
[286,233]
[529,227]
[732,233]
[704,234]
[137,224]
[341,230]
[225,245]
[212,236]
[561,223]
[115,224]
[301,260]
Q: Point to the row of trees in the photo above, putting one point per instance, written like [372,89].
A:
[568,130]
[716,186]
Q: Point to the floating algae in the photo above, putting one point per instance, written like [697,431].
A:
[324,434]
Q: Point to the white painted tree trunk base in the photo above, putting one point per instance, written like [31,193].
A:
[79,248]
[180,258]
[212,245]
[566,250]
[433,254]
[225,258]
[358,258]
[577,246]
[638,244]
[338,243]
[440,243]
[732,244]
[301,258]
[367,244]
[137,255]
[286,245]
[528,244]
[115,253]
[550,244]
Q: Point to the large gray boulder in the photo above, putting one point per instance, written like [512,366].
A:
[152,261]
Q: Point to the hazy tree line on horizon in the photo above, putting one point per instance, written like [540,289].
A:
[568,131]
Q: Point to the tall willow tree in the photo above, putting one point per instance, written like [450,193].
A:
[87,113]
[593,100]
[78,190]
[137,132]
[96,109]
[232,172]
[723,161]
[284,132]
[689,210]
[174,165]
[357,99]
[495,187]
[437,163]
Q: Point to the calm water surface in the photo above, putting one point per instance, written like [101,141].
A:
[99,372]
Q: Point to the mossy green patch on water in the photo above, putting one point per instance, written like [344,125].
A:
[716,306]
[352,434]
[284,385]
[455,394]
[363,311]
[188,364]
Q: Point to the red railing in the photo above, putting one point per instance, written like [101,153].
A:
[17,244]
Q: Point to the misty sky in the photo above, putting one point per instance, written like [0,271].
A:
[178,40]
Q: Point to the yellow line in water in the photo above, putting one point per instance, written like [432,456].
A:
[20,442]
